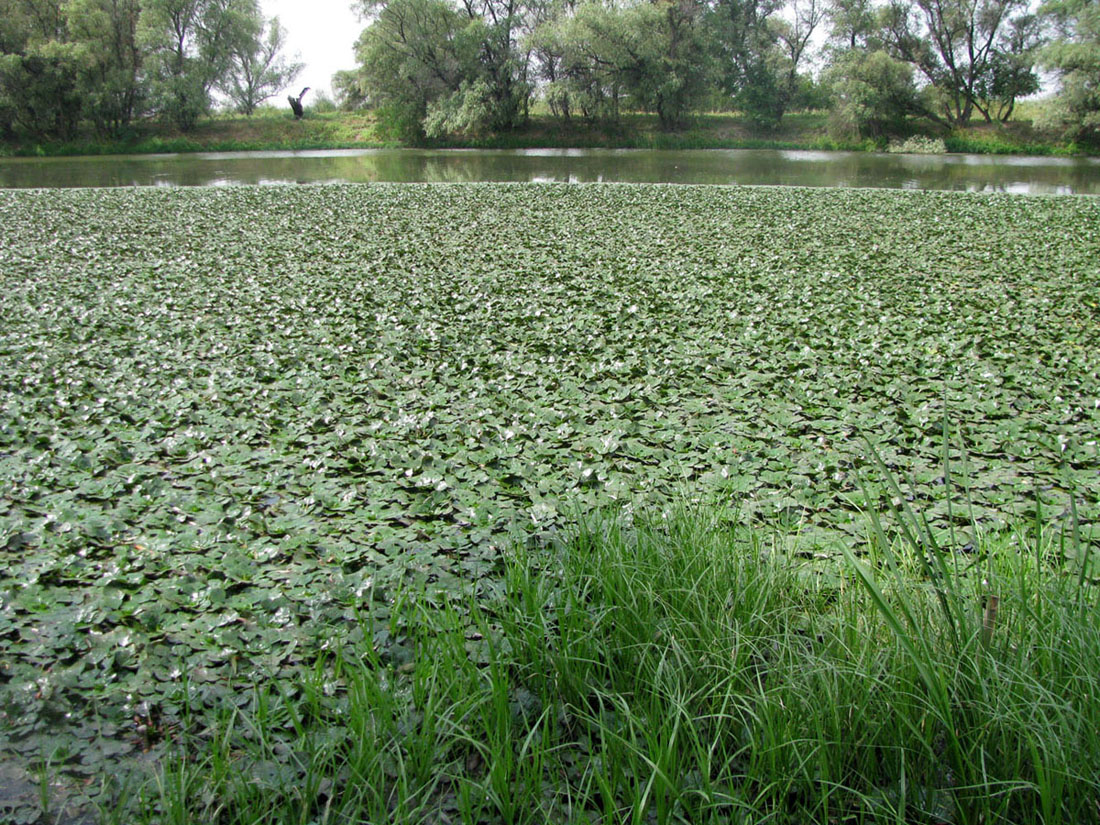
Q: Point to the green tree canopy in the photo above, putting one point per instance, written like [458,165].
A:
[964,49]
[654,53]
[258,69]
[109,80]
[872,94]
[412,55]
[430,66]
[1075,55]
[748,58]
[190,46]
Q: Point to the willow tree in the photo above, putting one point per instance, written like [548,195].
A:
[654,55]
[432,66]
[1075,55]
[110,77]
[189,46]
[410,56]
[964,49]
[258,69]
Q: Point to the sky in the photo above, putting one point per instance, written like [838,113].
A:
[322,33]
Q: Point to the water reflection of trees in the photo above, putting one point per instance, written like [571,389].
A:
[700,167]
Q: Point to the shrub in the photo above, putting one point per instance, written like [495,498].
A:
[873,94]
[918,145]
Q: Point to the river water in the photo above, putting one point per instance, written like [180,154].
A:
[980,173]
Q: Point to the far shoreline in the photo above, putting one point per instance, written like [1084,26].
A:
[275,130]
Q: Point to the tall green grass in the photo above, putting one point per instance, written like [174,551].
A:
[999,145]
[683,670]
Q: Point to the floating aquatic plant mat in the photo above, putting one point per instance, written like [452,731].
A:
[234,420]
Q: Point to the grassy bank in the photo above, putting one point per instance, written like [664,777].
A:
[265,435]
[682,671]
[275,129]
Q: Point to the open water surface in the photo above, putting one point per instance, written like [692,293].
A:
[978,173]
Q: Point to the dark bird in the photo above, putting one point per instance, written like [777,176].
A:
[296,103]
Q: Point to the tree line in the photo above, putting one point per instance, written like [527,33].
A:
[437,67]
[108,62]
[431,68]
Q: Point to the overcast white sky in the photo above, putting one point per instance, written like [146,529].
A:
[322,32]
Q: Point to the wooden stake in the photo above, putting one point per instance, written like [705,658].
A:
[989,620]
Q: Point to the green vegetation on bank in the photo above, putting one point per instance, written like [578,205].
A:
[267,129]
[472,73]
[434,68]
[241,427]
[275,129]
[679,671]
